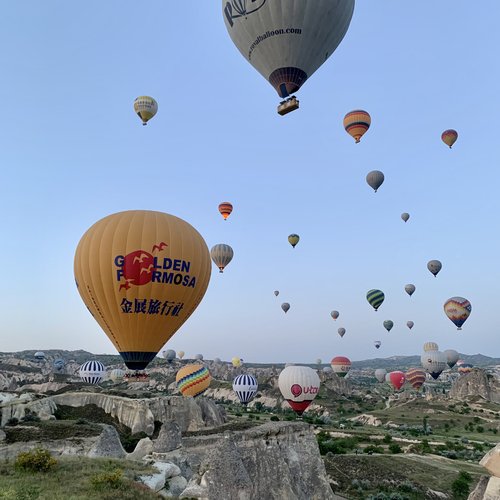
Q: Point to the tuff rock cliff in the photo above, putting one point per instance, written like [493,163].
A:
[477,383]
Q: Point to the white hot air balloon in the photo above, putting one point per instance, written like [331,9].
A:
[380,374]
[117,375]
[434,362]
[92,372]
[245,386]
[431,346]
[222,255]
[287,41]
[299,385]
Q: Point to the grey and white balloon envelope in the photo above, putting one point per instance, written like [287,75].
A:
[375,179]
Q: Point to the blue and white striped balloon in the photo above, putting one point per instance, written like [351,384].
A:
[245,386]
[91,372]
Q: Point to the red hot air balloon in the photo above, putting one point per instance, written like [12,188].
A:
[397,379]
[225,209]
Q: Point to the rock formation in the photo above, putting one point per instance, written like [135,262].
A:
[488,487]
[477,383]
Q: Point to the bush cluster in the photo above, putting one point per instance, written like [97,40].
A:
[37,460]
[105,480]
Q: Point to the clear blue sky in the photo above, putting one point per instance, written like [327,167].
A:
[73,151]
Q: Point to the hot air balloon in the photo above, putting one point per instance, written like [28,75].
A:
[39,355]
[285,42]
[145,107]
[380,374]
[433,362]
[169,355]
[285,306]
[405,216]
[465,368]
[141,274]
[434,267]
[388,324]
[193,380]
[451,357]
[375,179]
[341,365]
[397,379]
[341,332]
[225,209]
[222,255]
[449,137]
[410,324]
[116,375]
[410,289]
[276,293]
[334,314]
[180,354]
[198,357]
[299,385]
[293,239]
[318,361]
[377,344]
[92,372]
[375,298]
[245,386]
[236,361]
[356,123]
[416,377]
[59,364]
[458,310]
[431,346]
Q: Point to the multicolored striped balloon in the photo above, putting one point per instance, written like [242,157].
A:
[225,209]
[449,137]
[193,380]
[375,298]
[458,310]
[341,365]
[356,123]
[416,377]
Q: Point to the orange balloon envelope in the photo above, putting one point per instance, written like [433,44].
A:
[416,377]
[141,274]
[356,123]
[192,380]
[449,137]
[225,208]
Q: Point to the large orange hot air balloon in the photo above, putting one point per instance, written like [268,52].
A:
[356,123]
[225,209]
[141,274]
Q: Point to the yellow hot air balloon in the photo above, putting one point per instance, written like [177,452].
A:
[356,123]
[181,354]
[141,274]
[236,362]
[145,107]
[293,239]
[192,380]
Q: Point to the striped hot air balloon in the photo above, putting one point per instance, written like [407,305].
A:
[225,209]
[465,368]
[356,123]
[416,377]
[245,386]
[431,346]
[145,107]
[341,365]
[458,310]
[91,372]
[222,255]
[193,380]
[449,137]
[375,298]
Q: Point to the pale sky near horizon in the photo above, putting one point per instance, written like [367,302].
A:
[73,151]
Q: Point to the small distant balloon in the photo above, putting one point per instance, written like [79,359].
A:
[293,239]
[276,292]
[145,107]
[356,123]
[225,209]
[198,357]
[434,267]
[451,357]
[410,324]
[222,255]
[181,354]
[285,306]
[380,374]
[458,310]
[375,179]
[341,365]
[375,298]
[334,314]
[388,324]
[236,362]
[410,289]
[377,344]
[341,332]
[169,355]
[245,386]
[405,216]
[449,137]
